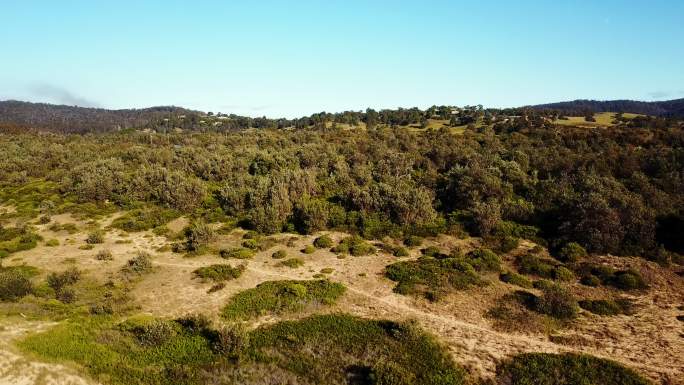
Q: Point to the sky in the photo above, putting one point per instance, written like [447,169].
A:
[294,58]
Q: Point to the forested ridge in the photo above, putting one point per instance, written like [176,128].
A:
[613,190]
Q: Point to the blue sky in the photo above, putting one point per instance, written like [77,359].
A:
[293,58]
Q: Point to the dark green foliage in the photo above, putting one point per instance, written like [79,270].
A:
[607,307]
[515,279]
[355,246]
[626,280]
[571,252]
[484,260]
[323,242]
[219,273]
[556,302]
[562,273]
[438,275]
[144,219]
[531,264]
[565,369]
[14,239]
[431,251]
[276,297]
[400,252]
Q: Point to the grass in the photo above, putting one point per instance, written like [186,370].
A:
[325,349]
[556,369]
[219,273]
[15,239]
[432,276]
[237,253]
[278,297]
[515,279]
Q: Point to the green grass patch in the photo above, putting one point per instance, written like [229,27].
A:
[144,219]
[562,369]
[237,253]
[15,239]
[515,279]
[277,297]
[292,263]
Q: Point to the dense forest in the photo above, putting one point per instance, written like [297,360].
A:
[669,108]
[613,190]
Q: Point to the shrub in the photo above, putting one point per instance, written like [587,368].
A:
[562,273]
[309,249]
[566,368]
[530,264]
[292,263]
[199,235]
[355,246]
[52,243]
[327,270]
[556,302]
[275,297]
[14,285]
[515,279]
[104,255]
[231,340]
[66,295]
[250,244]
[152,332]
[590,280]
[280,254]
[607,307]
[219,273]
[627,280]
[429,274]
[59,281]
[413,241]
[400,252]
[572,252]
[144,219]
[237,253]
[140,264]
[431,251]
[95,237]
[323,242]
[484,260]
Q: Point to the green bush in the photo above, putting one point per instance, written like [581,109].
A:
[607,307]
[52,243]
[198,235]
[250,244]
[556,302]
[292,263]
[531,264]
[431,251]
[572,252]
[276,297]
[237,253]
[562,273]
[309,249]
[400,252]
[567,368]
[144,219]
[323,242]
[95,237]
[432,275]
[355,246]
[219,273]
[14,284]
[621,279]
[280,254]
[140,264]
[413,241]
[515,279]
[484,260]
[627,280]
[590,280]
[59,281]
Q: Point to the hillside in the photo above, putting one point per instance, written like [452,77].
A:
[670,108]
[72,119]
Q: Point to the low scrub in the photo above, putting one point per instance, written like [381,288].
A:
[219,273]
[292,263]
[237,253]
[432,276]
[323,242]
[277,297]
[625,280]
[568,368]
[144,219]
[608,307]
[15,239]
[516,279]
[355,246]
[139,265]
[14,284]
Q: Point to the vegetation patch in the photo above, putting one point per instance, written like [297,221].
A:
[144,219]
[432,276]
[15,239]
[608,307]
[515,279]
[237,253]
[626,280]
[292,263]
[280,254]
[219,273]
[15,282]
[277,297]
[568,368]
[355,246]
[323,242]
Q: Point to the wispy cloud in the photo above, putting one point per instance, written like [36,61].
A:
[60,95]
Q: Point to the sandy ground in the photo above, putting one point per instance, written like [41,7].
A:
[651,341]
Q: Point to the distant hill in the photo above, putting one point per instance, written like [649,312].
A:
[669,108]
[72,119]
